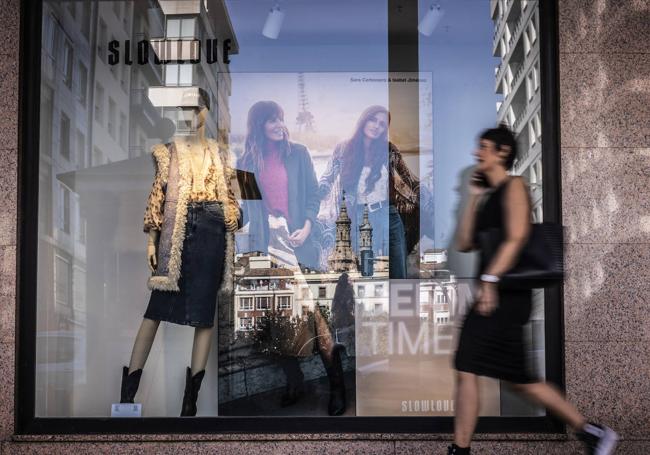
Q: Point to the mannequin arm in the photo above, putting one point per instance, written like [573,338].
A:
[152,245]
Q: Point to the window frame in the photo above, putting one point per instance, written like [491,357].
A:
[402,52]
[284,302]
[249,300]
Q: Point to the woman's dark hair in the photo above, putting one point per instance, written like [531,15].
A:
[260,113]
[353,154]
[502,135]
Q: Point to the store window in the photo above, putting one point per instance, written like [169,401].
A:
[260,175]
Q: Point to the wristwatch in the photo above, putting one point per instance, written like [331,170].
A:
[489,278]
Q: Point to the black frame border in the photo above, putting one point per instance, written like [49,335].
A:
[27,241]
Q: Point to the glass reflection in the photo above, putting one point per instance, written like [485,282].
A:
[349,178]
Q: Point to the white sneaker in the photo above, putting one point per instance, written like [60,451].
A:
[598,439]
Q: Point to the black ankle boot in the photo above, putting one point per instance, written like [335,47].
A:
[295,388]
[130,383]
[455,450]
[192,386]
[337,404]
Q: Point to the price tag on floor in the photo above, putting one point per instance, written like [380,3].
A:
[126,410]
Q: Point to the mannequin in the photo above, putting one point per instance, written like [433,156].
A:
[197,164]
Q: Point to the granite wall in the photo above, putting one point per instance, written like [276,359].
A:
[605,151]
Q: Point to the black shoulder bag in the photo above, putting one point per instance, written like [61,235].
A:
[540,263]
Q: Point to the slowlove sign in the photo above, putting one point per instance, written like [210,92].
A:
[167,51]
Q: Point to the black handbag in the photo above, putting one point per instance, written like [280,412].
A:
[540,263]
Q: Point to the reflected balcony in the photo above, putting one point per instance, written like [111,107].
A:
[143,112]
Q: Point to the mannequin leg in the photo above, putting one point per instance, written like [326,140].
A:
[131,375]
[194,375]
[143,342]
[201,348]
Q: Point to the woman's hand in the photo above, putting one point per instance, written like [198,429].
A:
[298,237]
[477,184]
[487,299]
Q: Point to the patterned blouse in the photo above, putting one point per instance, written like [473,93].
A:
[205,188]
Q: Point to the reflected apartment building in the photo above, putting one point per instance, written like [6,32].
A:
[516,29]
[264,287]
[516,43]
[76,117]
[97,123]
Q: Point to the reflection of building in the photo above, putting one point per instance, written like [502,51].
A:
[188,24]
[433,264]
[262,288]
[144,118]
[83,104]
[371,294]
[517,78]
[342,258]
[96,125]
[438,300]
[435,256]
[366,256]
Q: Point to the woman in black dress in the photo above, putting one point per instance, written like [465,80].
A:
[491,341]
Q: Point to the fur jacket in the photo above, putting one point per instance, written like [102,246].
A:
[173,188]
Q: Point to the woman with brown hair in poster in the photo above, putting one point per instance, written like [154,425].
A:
[283,224]
[285,174]
[372,172]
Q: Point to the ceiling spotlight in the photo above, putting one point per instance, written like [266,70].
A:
[273,23]
[430,20]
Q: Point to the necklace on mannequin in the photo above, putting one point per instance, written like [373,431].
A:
[196,173]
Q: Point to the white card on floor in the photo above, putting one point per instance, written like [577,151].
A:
[126,410]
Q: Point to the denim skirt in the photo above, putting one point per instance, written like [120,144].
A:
[202,265]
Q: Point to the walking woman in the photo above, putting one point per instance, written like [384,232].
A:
[372,172]
[491,340]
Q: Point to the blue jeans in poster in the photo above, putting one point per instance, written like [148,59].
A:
[397,245]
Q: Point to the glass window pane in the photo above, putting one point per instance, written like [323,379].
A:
[185,74]
[64,140]
[171,74]
[173,28]
[187,28]
[329,253]
[471,37]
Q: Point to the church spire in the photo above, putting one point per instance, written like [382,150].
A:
[365,244]
[343,258]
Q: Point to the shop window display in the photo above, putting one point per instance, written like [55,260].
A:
[298,199]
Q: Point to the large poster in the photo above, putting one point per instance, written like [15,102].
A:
[399,342]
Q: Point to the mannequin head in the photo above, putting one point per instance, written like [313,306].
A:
[193,112]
